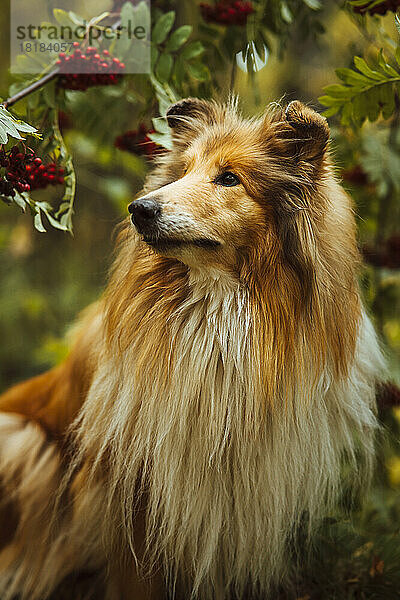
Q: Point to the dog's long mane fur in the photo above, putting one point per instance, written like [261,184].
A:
[225,402]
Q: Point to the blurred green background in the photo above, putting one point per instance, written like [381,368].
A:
[47,278]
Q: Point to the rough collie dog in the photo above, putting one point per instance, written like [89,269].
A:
[214,392]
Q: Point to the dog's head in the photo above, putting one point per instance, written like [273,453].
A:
[231,187]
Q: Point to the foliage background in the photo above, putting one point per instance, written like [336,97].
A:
[47,278]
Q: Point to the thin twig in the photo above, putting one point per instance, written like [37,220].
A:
[31,88]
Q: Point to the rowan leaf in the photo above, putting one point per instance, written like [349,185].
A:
[162,28]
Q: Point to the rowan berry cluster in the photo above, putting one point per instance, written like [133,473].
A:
[64,121]
[388,395]
[86,68]
[227,13]
[40,176]
[137,142]
[378,9]
[355,175]
[387,256]
[24,171]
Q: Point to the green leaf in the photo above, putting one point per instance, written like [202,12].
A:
[286,13]
[46,208]
[49,95]
[365,69]
[10,129]
[199,71]
[372,104]
[164,67]
[160,125]
[33,100]
[329,101]
[76,18]
[387,97]
[10,126]
[162,28]
[336,90]
[397,23]
[123,44]
[66,208]
[179,71]
[178,38]
[192,50]
[360,108]
[313,4]
[38,223]
[163,139]
[24,127]
[352,77]
[154,56]
[20,201]
[261,50]
[62,17]
[347,114]
[331,111]
[386,67]
[3,135]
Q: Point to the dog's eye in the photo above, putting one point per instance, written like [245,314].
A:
[228,179]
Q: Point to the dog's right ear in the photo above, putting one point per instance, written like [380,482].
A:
[183,116]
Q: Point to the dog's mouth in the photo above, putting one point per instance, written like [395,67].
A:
[165,243]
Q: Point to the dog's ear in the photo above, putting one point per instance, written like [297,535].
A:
[183,115]
[305,133]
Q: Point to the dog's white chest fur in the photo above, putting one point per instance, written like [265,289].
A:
[227,478]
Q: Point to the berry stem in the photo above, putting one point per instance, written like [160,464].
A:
[31,88]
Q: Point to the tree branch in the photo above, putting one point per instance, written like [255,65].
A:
[31,88]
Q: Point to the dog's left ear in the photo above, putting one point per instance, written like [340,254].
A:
[305,132]
[183,115]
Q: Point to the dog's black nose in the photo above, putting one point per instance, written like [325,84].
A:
[144,212]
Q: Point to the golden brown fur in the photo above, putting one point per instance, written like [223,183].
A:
[213,393]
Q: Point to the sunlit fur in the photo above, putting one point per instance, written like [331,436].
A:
[226,385]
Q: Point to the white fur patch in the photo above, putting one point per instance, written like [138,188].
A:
[226,483]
